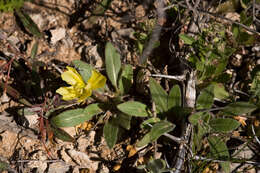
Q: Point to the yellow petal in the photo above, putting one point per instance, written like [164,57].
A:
[68,93]
[86,93]
[97,80]
[72,77]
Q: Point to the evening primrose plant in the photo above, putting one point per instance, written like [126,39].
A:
[114,112]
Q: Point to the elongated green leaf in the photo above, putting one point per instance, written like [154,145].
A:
[157,130]
[92,110]
[126,79]
[235,30]
[150,121]
[29,23]
[196,118]
[220,92]
[239,108]
[76,116]
[206,98]
[199,132]
[123,121]
[219,150]
[113,63]
[187,39]
[34,50]
[224,125]
[159,96]
[110,132]
[84,69]
[156,166]
[133,108]
[221,66]
[26,111]
[174,98]
[61,134]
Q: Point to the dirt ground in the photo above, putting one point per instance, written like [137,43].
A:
[70,32]
[67,36]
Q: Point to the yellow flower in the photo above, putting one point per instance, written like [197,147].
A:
[79,89]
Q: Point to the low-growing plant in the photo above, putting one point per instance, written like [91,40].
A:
[117,111]
[209,57]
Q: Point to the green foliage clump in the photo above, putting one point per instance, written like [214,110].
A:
[10,5]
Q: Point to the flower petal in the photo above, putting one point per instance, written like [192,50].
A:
[86,93]
[97,80]
[72,77]
[68,93]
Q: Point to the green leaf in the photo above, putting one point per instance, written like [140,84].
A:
[255,86]
[246,20]
[239,108]
[156,166]
[219,150]
[151,121]
[84,69]
[159,96]
[220,92]
[124,121]
[25,111]
[113,63]
[195,118]
[157,130]
[10,6]
[199,131]
[29,23]
[224,125]
[221,66]
[187,39]
[235,31]
[34,50]
[246,39]
[110,132]
[174,98]
[206,98]
[3,166]
[126,79]
[61,134]
[225,166]
[74,117]
[92,110]
[133,108]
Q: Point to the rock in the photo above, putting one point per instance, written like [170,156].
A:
[4,98]
[58,167]
[33,120]
[14,40]
[139,11]
[104,169]
[7,143]
[39,20]
[95,57]
[244,153]
[70,130]
[57,35]
[83,159]
[236,60]
[39,163]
